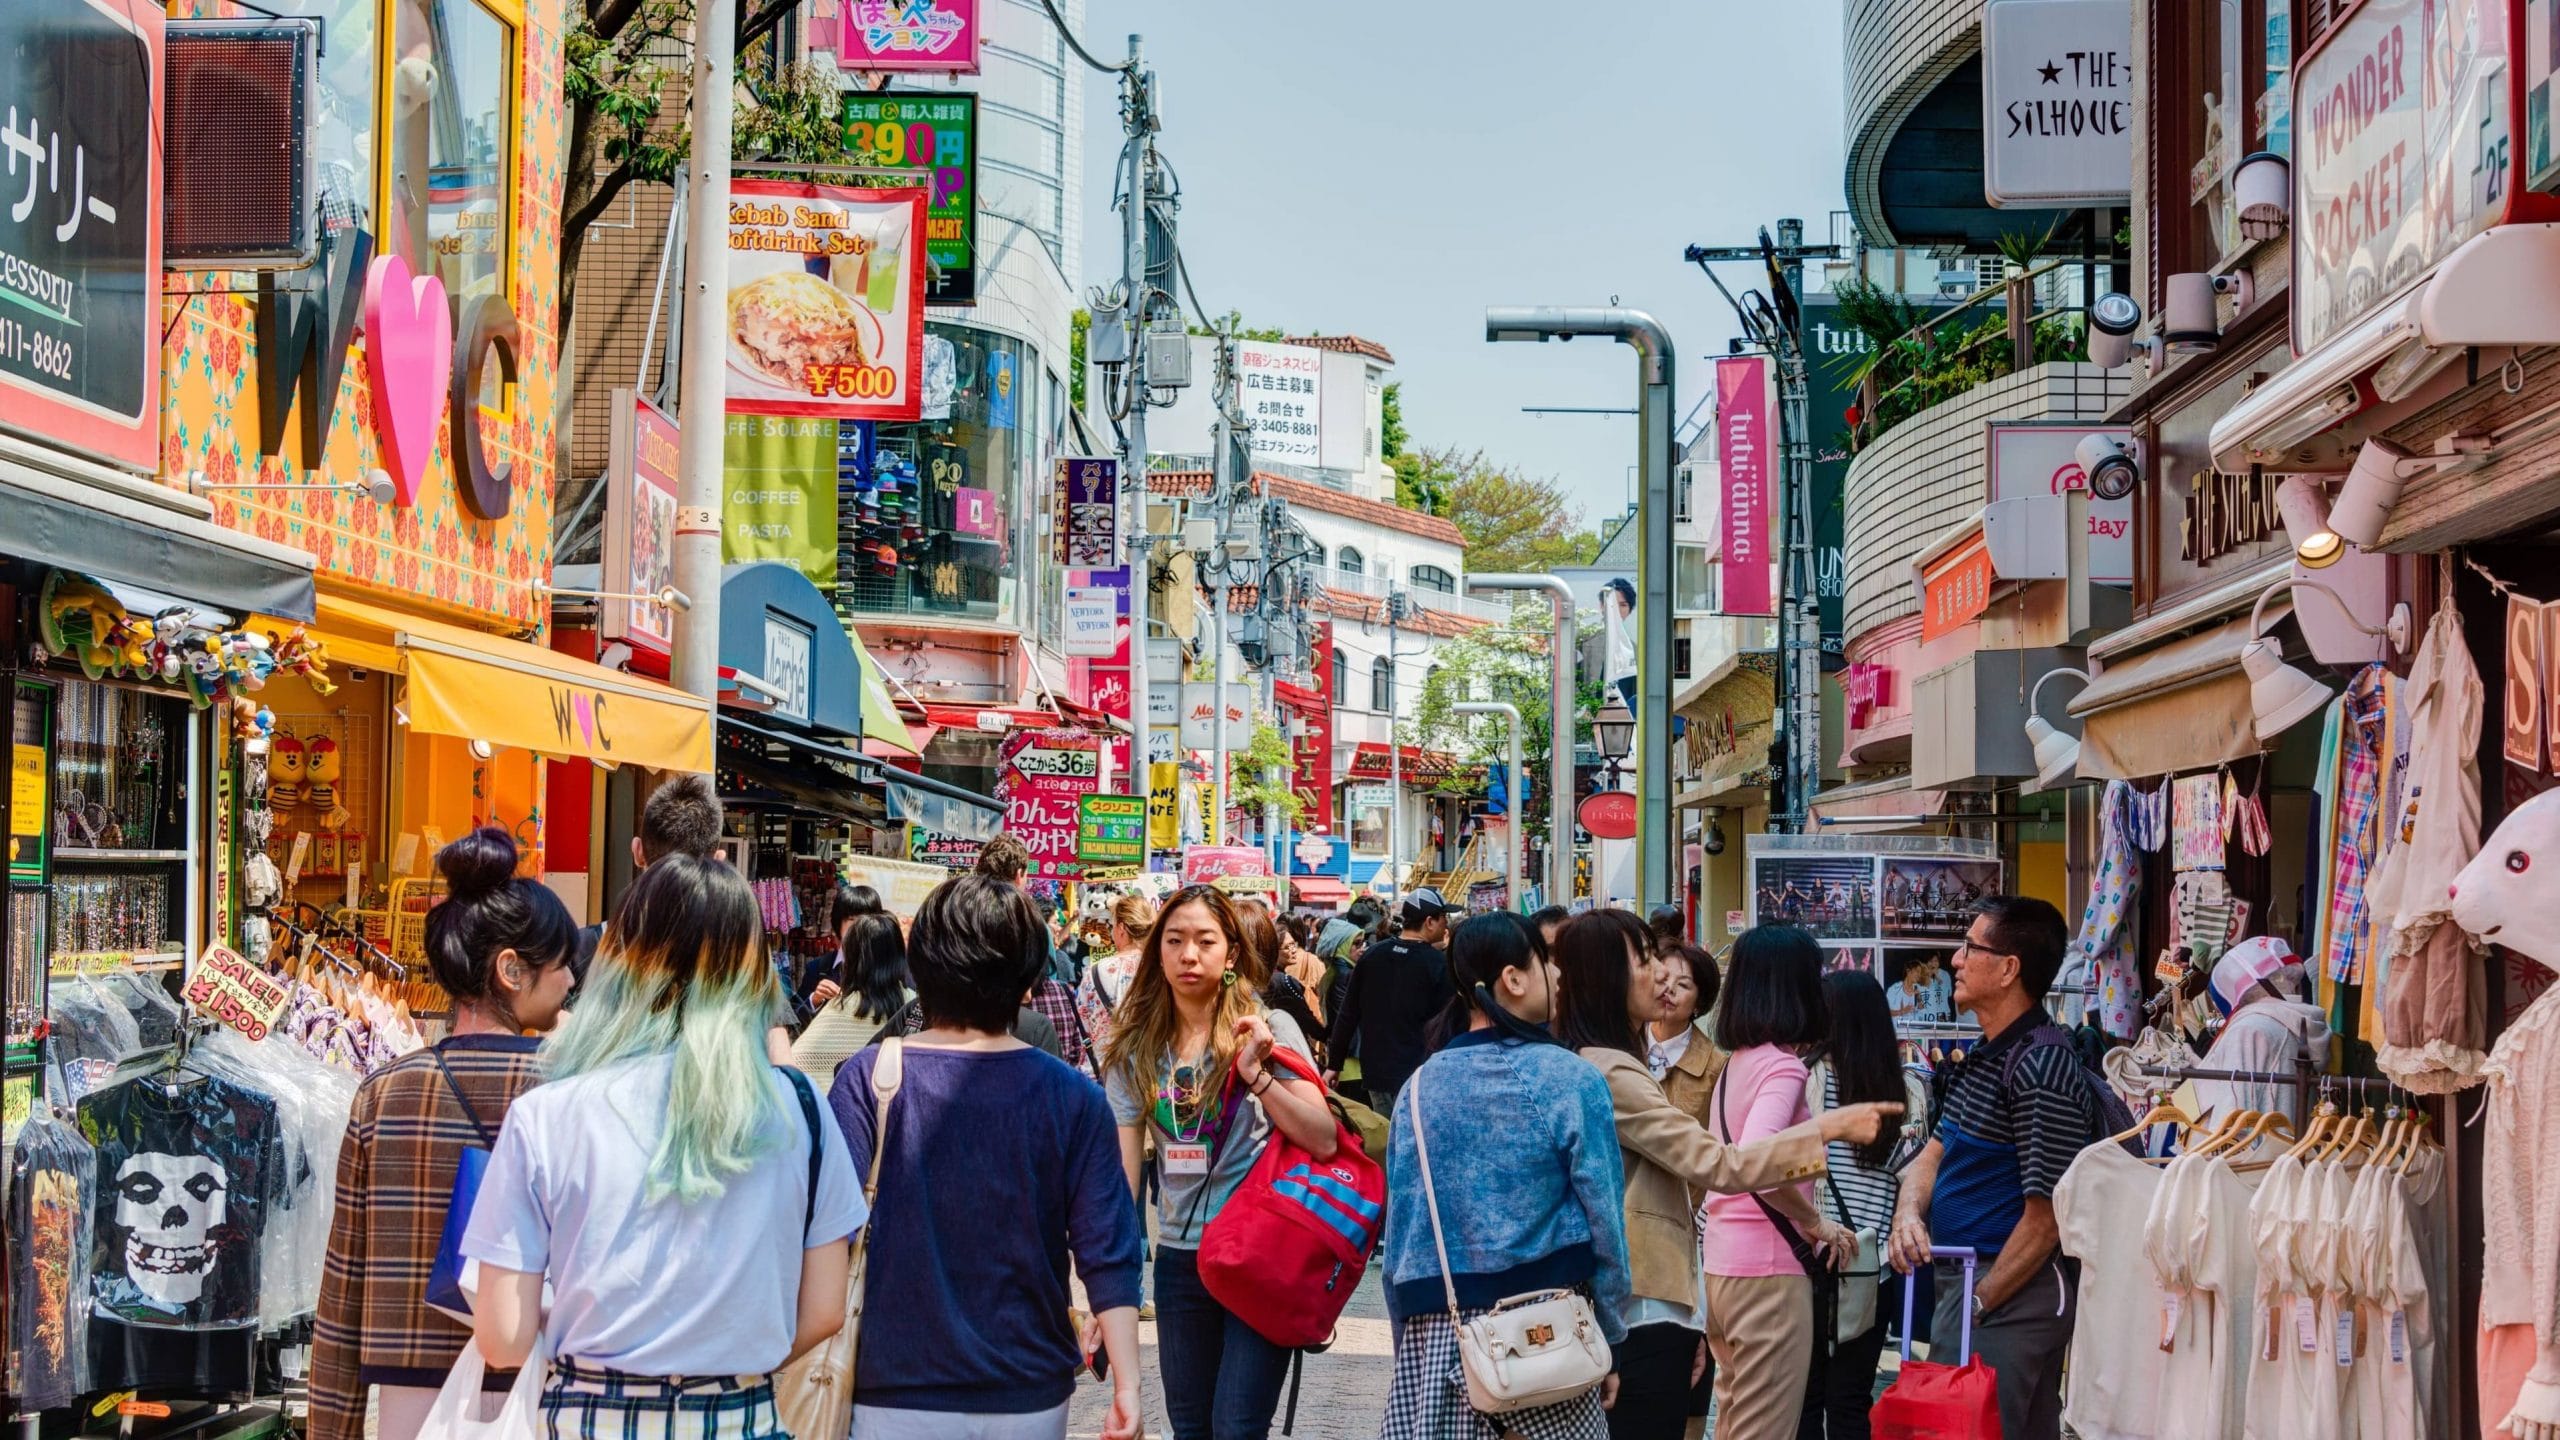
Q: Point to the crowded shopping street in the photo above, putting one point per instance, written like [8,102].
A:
[934,720]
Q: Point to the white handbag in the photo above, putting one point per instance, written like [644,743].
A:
[456,1414]
[813,1395]
[1542,1348]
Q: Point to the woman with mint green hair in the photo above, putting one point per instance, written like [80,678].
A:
[663,1184]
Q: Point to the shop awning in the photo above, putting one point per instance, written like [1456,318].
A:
[1730,713]
[1369,762]
[2183,705]
[936,805]
[1877,799]
[1968,719]
[1320,890]
[784,652]
[483,687]
[54,520]
[994,719]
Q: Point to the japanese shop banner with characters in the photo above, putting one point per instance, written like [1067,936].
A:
[80,227]
[910,35]
[826,300]
[1043,778]
[937,133]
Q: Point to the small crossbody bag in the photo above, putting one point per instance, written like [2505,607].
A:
[1541,1348]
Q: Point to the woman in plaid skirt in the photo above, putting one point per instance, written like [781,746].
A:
[679,1192]
[1526,1172]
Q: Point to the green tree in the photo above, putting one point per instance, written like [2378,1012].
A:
[1267,333]
[1079,331]
[1512,520]
[1261,775]
[1499,662]
[1392,436]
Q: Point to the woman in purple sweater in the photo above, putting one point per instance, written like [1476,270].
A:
[1000,1162]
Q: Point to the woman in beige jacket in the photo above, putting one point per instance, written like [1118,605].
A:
[1609,996]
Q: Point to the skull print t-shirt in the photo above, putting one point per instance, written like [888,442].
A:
[187,1179]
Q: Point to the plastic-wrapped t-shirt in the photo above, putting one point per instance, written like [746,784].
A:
[313,1100]
[92,1035]
[155,1013]
[52,1188]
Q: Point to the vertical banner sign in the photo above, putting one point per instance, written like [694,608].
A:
[1088,526]
[927,35]
[936,133]
[1164,805]
[778,494]
[2057,104]
[640,524]
[826,300]
[1042,778]
[1742,455]
[1280,389]
[80,226]
[1311,748]
[2526,640]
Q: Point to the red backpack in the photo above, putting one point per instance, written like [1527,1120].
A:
[1290,1245]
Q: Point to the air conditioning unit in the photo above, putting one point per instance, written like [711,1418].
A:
[239,189]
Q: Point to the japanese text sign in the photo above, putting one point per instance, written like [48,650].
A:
[80,226]
[226,987]
[1088,512]
[2403,149]
[1207,864]
[1742,457]
[1955,587]
[1111,829]
[826,300]
[1280,389]
[937,133]
[1042,778]
[640,524]
[910,35]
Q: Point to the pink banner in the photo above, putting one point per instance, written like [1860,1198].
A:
[1043,774]
[910,35]
[1743,446]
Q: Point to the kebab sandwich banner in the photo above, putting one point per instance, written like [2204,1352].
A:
[827,291]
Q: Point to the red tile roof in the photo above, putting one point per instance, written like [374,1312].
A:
[1355,507]
[1187,484]
[1351,605]
[1345,345]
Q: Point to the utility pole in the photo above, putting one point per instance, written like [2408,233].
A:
[1771,322]
[1395,755]
[702,369]
[1137,118]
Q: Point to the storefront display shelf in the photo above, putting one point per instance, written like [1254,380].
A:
[63,855]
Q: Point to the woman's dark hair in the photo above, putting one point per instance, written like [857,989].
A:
[1366,914]
[487,908]
[1702,973]
[853,900]
[977,946]
[1480,949]
[1866,1059]
[1773,990]
[1552,915]
[1258,957]
[873,969]
[1667,926]
[1594,951]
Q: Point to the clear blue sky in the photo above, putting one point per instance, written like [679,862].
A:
[1392,169]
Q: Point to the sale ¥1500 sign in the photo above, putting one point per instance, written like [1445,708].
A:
[827,291]
[1042,779]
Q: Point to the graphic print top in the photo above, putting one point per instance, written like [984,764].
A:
[187,1183]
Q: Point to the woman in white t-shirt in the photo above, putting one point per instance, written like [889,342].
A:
[677,1190]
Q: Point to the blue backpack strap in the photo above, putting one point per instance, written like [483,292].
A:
[808,1094]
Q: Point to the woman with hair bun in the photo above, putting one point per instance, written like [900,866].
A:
[501,945]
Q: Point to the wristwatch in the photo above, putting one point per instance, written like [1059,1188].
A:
[1979,1309]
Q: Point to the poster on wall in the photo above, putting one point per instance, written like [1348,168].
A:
[1832,896]
[1042,778]
[910,35]
[639,524]
[80,227]
[826,300]
[938,134]
[1933,898]
[1280,388]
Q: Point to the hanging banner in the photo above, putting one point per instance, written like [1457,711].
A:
[2057,103]
[1743,447]
[1164,805]
[1280,389]
[1310,713]
[826,300]
[1093,623]
[1042,777]
[1088,489]
[1200,715]
[914,35]
[778,495]
[639,524]
[2528,637]
[936,133]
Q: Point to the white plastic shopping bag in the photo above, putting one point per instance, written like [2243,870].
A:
[463,1412]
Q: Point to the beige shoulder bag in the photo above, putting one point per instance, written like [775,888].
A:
[1542,1348]
[813,1395]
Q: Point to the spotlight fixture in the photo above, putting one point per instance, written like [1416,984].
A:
[2280,696]
[2305,507]
[2057,754]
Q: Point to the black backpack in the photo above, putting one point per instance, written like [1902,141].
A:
[2114,1116]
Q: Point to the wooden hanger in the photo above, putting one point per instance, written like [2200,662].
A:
[2324,1121]
[2160,1113]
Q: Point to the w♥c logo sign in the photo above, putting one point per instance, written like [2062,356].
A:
[408,338]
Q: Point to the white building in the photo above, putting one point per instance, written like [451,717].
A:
[1343,407]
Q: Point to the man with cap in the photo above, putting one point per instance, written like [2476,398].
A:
[1396,990]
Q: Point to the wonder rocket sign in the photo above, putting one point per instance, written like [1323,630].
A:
[1742,457]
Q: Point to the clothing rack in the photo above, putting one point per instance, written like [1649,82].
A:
[2301,1077]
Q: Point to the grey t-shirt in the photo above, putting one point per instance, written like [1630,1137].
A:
[1189,1198]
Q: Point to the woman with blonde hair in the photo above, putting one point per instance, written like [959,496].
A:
[1106,980]
[1190,1064]
[679,1192]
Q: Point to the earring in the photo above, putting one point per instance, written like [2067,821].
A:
[1229,978]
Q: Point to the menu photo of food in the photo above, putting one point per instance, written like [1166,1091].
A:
[825,312]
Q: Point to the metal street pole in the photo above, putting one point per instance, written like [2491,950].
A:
[1395,758]
[1136,113]
[1652,344]
[1563,711]
[1519,829]
[702,367]
[1804,587]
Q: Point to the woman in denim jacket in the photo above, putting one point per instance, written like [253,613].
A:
[1524,1158]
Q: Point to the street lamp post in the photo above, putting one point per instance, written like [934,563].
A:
[1561,712]
[1511,810]
[1652,344]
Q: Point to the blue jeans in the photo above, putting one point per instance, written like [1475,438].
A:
[1221,1380]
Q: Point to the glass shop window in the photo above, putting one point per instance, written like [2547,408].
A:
[453,123]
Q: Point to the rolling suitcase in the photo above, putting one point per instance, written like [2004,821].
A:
[1930,1401]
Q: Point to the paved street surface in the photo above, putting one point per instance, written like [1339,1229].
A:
[1341,1397]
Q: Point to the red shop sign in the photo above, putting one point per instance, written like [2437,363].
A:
[1609,815]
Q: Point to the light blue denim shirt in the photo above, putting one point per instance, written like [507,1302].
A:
[1524,1158]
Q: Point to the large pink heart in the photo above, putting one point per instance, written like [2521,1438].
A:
[408,347]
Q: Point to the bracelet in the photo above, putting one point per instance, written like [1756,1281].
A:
[1261,1083]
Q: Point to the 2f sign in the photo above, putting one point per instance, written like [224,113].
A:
[2057,103]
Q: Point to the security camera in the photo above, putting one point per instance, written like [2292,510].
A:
[2112,464]
[2193,316]
[2112,323]
[1713,841]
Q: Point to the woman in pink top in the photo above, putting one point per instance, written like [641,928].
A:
[1760,1310]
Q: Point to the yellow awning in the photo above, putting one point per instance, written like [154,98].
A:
[484,687]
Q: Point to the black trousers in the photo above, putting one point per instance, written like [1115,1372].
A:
[1653,1383]
[1840,1388]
